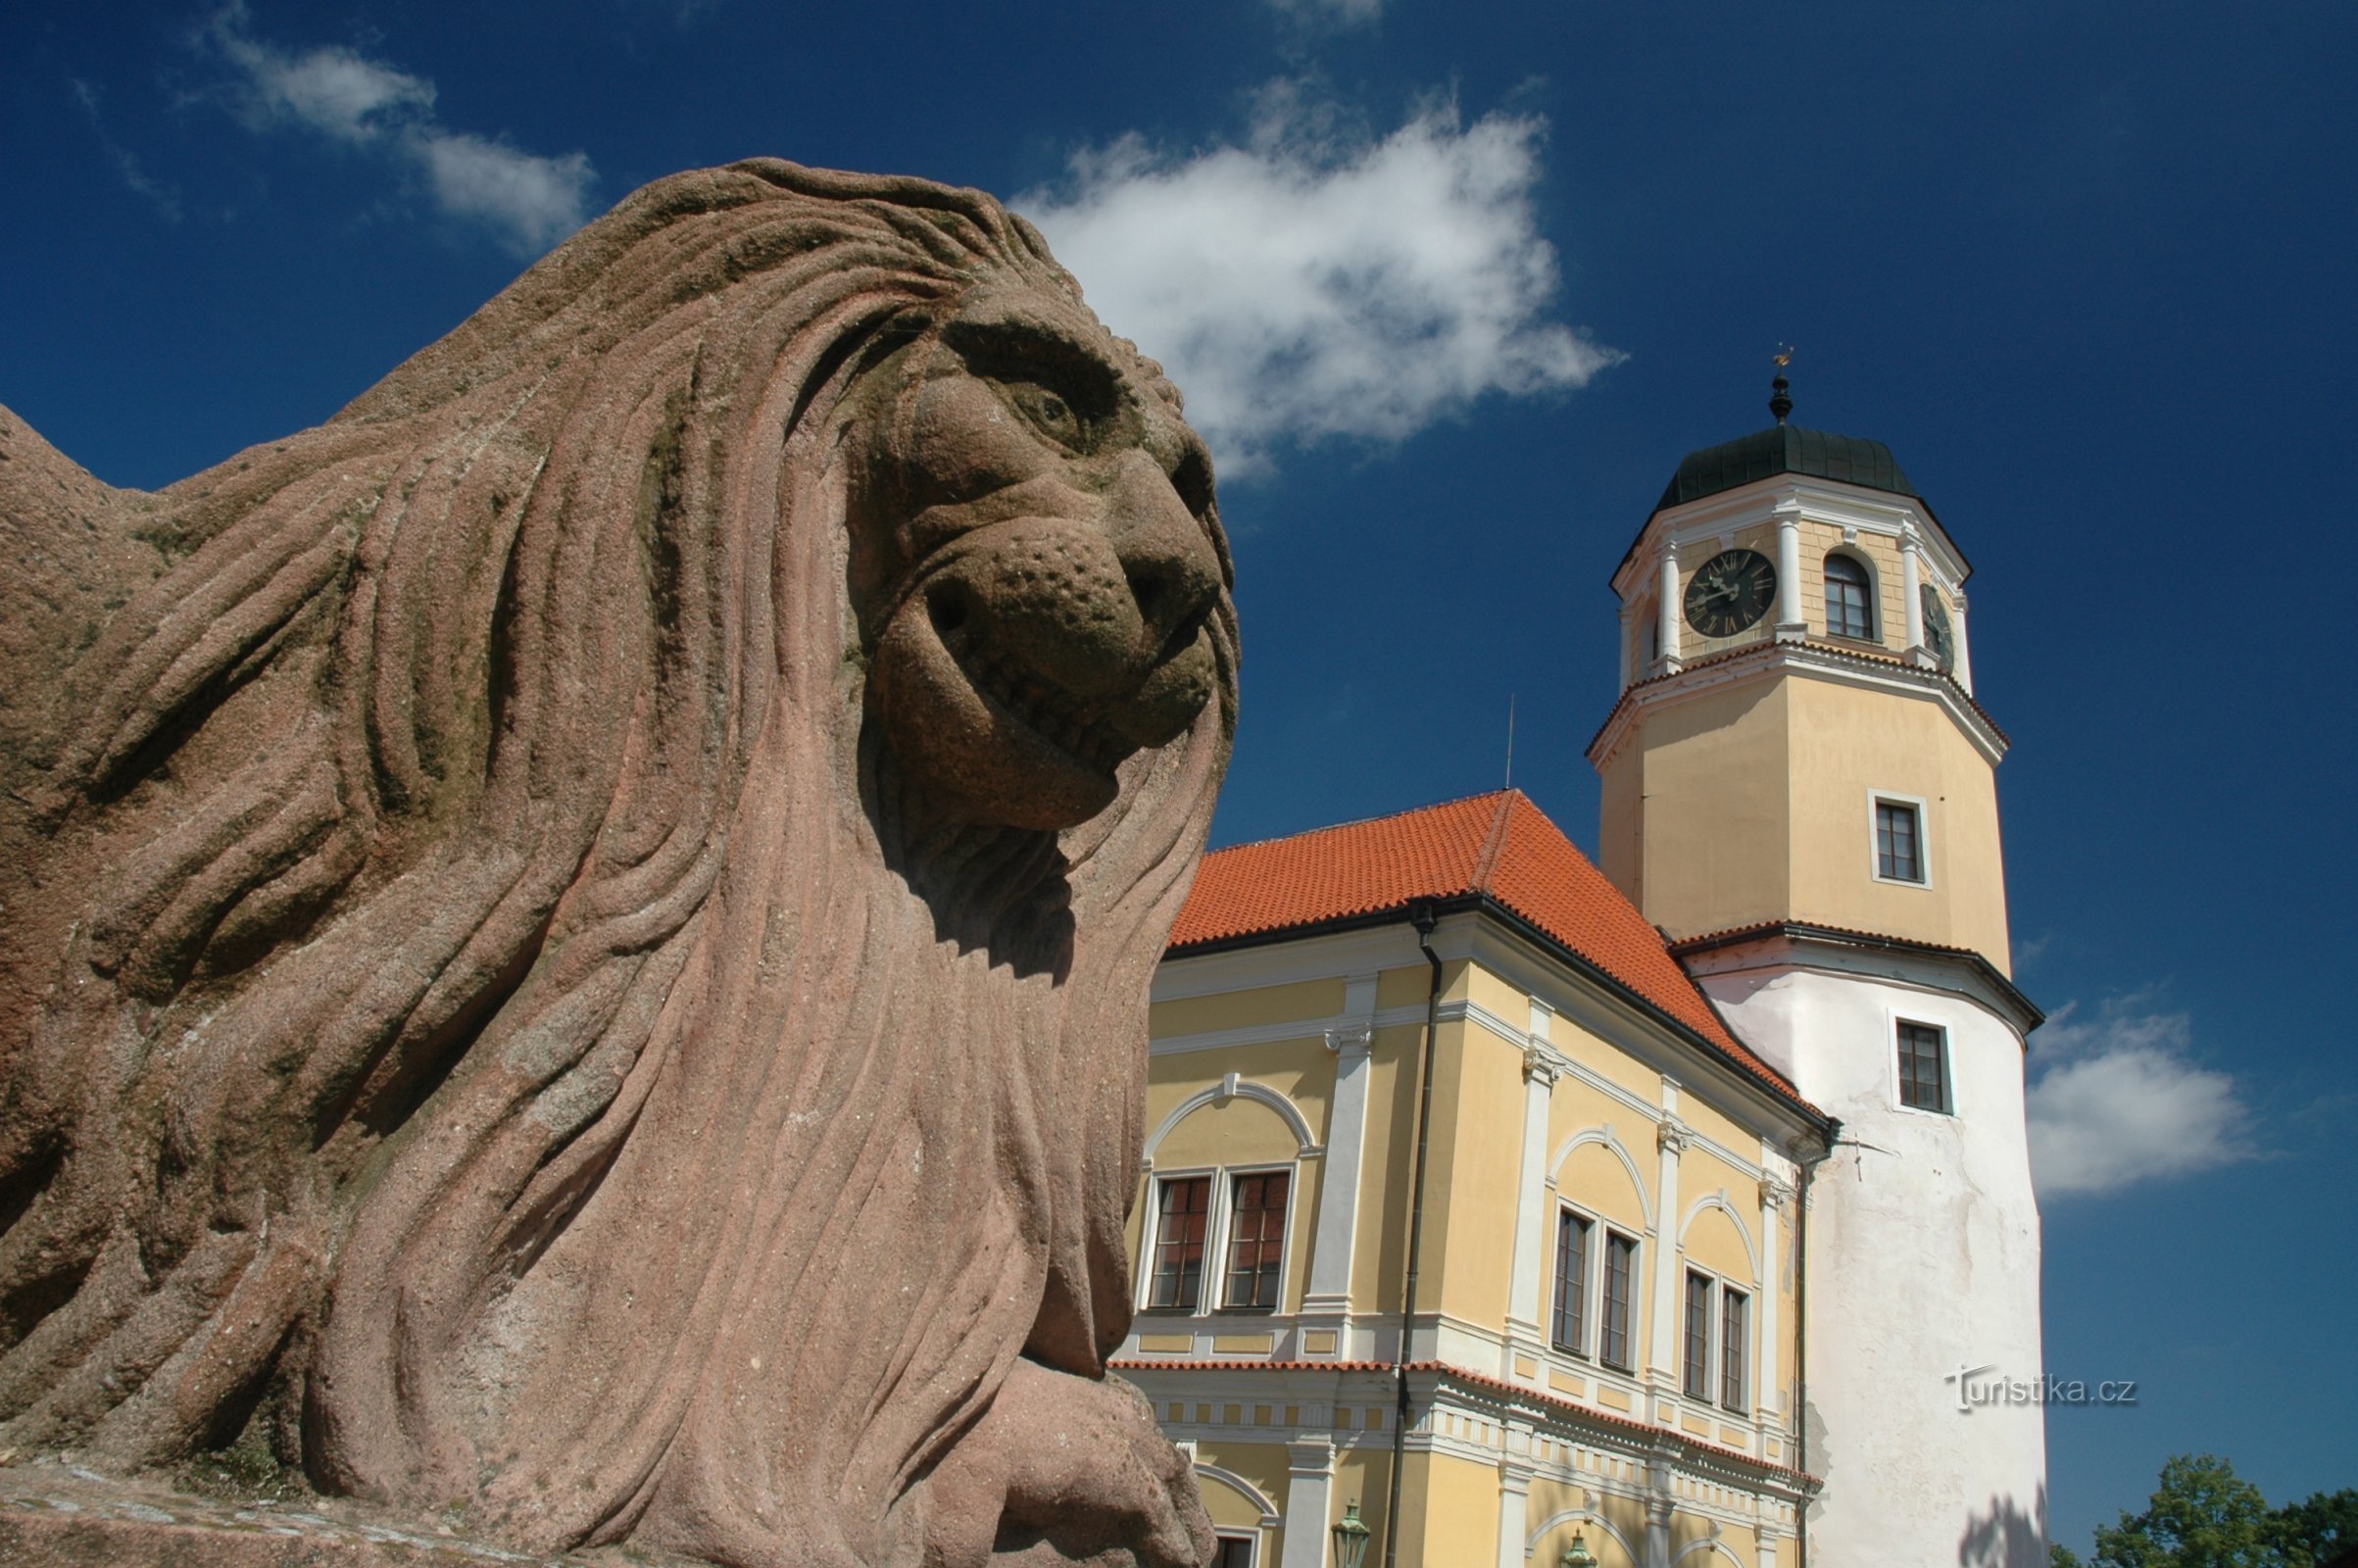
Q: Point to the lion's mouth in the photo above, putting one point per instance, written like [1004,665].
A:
[1077,728]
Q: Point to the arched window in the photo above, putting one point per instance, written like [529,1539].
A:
[1846,598]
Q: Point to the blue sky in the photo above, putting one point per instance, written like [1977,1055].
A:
[2086,269]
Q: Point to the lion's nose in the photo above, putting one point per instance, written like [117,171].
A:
[1174,576]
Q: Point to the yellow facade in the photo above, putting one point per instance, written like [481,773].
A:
[1753,801]
[1262,1060]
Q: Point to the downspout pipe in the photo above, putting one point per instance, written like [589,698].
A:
[1801,1335]
[1423,918]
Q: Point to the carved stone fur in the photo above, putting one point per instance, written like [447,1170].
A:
[573,941]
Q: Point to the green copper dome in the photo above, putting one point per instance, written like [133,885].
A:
[1784,449]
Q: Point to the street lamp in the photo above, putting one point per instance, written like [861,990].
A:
[1350,1538]
[1577,1554]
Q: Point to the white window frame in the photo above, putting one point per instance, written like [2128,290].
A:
[1689,1276]
[1592,1287]
[1949,1072]
[1253,1543]
[1217,1225]
[1637,1297]
[1715,1349]
[1924,839]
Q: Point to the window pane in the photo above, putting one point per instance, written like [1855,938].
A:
[1846,598]
[1179,1226]
[1895,841]
[1257,1239]
[1699,1336]
[1236,1552]
[1923,1067]
[1620,1265]
[1571,1283]
[1734,1341]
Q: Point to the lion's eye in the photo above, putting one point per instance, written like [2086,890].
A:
[1051,414]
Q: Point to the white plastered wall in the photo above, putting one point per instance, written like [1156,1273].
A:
[1923,1259]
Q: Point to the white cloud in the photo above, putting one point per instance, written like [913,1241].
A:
[2124,1104]
[529,201]
[1344,12]
[335,91]
[1316,283]
[537,201]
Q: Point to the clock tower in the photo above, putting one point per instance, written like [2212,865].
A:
[1799,789]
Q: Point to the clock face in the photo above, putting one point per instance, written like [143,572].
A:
[1938,638]
[1731,591]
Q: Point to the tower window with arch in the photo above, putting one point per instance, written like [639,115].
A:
[1849,597]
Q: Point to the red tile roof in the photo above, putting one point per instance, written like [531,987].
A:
[1499,846]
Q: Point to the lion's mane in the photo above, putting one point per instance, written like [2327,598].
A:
[472,1016]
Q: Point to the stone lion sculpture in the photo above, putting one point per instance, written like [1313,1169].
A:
[576,937]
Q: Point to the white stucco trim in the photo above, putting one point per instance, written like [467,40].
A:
[1587,1519]
[1235,1087]
[1719,1200]
[1619,1150]
[1271,1515]
[1707,1544]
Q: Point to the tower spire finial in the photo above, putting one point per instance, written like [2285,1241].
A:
[1779,404]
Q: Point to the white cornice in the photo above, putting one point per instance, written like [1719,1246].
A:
[1768,661]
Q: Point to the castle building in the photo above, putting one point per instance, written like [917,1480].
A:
[1665,1197]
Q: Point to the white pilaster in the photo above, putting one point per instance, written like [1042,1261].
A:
[1327,1292]
[1514,1508]
[1775,1193]
[1659,1501]
[1912,594]
[1664,1364]
[1524,1333]
[1963,670]
[1790,626]
[1669,607]
[1310,1504]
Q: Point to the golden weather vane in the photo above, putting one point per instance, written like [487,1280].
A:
[1784,355]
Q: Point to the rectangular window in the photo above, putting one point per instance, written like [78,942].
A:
[1734,1338]
[1570,1330]
[1256,1241]
[1236,1552]
[1620,1275]
[1923,1067]
[1181,1218]
[1899,842]
[1698,1337]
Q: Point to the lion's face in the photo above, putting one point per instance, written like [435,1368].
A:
[1035,561]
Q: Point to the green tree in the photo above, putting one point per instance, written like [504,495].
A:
[2313,1532]
[2202,1515]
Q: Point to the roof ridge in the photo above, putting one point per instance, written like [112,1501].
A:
[1494,842]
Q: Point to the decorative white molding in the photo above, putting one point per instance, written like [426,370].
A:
[1236,1087]
[1775,1193]
[1673,1136]
[1349,1037]
[1743,1232]
[1765,660]
[1271,1515]
[1618,1149]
